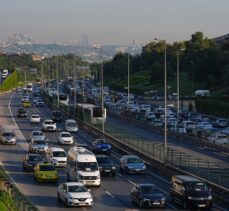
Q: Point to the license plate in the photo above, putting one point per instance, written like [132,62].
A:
[156,203]
[107,170]
[201,205]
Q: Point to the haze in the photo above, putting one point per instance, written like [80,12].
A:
[113,21]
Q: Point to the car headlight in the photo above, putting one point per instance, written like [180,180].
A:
[98,176]
[113,167]
[163,199]
[210,197]
[190,197]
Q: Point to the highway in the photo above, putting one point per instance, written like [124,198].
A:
[113,194]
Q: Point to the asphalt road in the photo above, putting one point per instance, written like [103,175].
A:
[113,194]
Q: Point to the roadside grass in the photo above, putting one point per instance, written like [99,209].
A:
[3,206]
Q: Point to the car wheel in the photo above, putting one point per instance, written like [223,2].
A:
[58,196]
[66,203]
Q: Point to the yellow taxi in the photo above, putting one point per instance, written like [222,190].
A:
[45,172]
[26,104]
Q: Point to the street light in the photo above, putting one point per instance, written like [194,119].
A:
[96,46]
[165,101]
[178,84]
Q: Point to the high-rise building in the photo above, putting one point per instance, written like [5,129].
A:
[84,40]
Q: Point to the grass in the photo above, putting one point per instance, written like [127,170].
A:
[3,206]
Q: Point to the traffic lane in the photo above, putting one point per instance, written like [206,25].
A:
[180,145]
[104,199]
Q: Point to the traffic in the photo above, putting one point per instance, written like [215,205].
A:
[87,167]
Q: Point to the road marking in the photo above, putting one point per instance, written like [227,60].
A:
[118,174]
[132,182]
[17,130]
[110,194]
[218,153]
[220,208]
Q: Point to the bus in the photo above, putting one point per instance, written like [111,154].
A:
[91,112]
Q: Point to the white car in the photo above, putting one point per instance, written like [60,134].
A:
[57,156]
[65,138]
[74,194]
[204,125]
[35,118]
[37,135]
[49,125]
[71,125]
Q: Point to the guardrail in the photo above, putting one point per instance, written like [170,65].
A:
[19,202]
[178,162]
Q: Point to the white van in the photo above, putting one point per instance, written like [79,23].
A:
[202,93]
[57,156]
[71,125]
[82,166]
[29,87]
[5,73]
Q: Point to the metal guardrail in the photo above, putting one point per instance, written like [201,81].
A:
[217,178]
[19,202]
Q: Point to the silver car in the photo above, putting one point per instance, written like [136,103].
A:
[8,138]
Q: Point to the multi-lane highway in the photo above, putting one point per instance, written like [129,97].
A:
[113,194]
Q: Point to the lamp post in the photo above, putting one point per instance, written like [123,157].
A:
[165,101]
[192,62]
[128,78]
[102,91]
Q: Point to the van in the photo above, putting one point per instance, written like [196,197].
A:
[202,93]
[57,156]
[190,192]
[71,125]
[29,87]
[82,167]
[5,74]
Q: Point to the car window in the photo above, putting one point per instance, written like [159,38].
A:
[59,154]
[76,189]
[47,168]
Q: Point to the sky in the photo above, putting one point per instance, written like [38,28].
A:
[113,21]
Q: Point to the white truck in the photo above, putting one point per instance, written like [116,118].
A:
[82,166]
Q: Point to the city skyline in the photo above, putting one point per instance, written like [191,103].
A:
[112,22]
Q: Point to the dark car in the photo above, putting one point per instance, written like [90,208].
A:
[101,146]
[56,116]
[21,112]
[147,196]
[31,160]
[106,165]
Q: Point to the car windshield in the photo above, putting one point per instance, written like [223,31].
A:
[65,135]
[148,189]
[77,189]
[59,154]
[8,134]
[72,124]
[38,142]
[34,158]
[49,122]
[90,166]
[35,116]
[38,133]
[103,159]
[47,168]
[133,160]
[200,186]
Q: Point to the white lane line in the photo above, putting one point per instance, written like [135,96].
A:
[118,174]
[132,182]
[218,153]
[110,194]
[220,208]
[18,132]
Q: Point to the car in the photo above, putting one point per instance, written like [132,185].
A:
[221,123]
[74,194]
[56,116]
[8,137]
[45,172]
[57,156]
[101,146]
[132,164]
[71,125]
[39,103]
[147,196]
[31,160]
[24,98]
[48,125]
[37,135]
[65,138]
[35,119]
[21,112]
[204,125]
[26,104]
[106,165]
[38,146]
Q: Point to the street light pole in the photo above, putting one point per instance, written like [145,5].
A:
[165,101]
[128,83]
[178,87]
[57,79]
[102,91]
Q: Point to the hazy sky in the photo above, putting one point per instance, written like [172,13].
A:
[113,21]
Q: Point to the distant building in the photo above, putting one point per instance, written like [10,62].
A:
[84,41]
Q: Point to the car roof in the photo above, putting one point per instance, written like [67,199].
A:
[45,164]
[56,149]
[101,156]
[73,183]
[130,156]
[146,185]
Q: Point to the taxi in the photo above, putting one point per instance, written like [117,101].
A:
[45,172]
[26,104]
